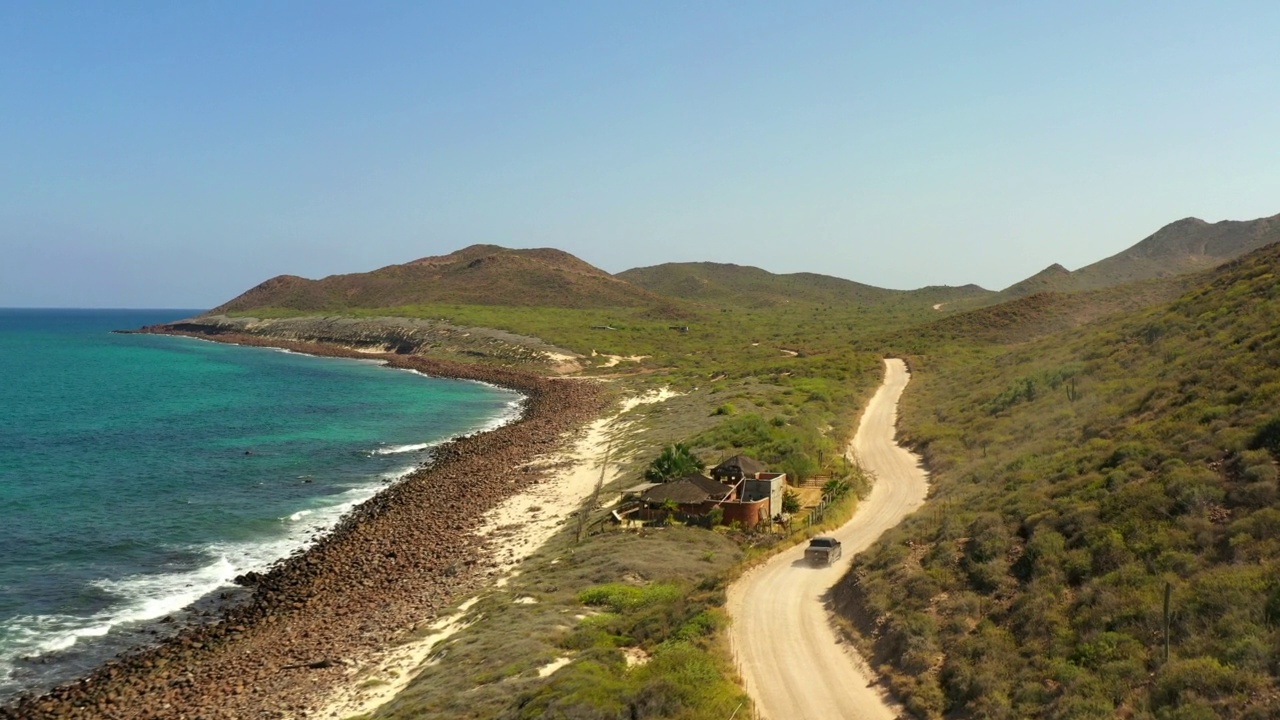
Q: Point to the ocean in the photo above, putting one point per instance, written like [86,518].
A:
[140,473]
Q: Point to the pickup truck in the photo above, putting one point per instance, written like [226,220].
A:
[823,550]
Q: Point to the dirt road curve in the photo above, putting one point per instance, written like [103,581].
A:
[793,664]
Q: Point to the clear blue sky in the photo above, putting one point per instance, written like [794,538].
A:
[174,154]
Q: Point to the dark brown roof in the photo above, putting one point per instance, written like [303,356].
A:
[742,463]
[689,489]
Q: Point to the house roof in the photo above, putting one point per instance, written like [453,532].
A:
[689,489]
[742,463]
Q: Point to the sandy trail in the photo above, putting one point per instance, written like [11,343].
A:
[516,529]
[791,659]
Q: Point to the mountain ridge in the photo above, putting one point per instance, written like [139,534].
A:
[485,274]
[1180,247]
[477,274]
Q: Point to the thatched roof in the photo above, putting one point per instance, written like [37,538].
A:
[742,464]
[687,490]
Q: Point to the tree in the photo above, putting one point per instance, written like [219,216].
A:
[675,461]
[836,488]
[790,502]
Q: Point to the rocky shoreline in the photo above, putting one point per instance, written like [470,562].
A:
[391,564]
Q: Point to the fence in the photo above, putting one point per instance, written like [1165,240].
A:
[819,513]
[752,712]
[812,481]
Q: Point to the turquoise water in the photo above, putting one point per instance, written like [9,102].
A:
[140,473]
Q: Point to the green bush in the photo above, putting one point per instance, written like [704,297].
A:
[622,598]
[790,502]
[674,462]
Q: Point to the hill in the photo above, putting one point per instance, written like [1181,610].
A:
[744,285]
[1054,278]
[730,285]
[477,275]
[1045,313]
[1185,246]
[1077,479]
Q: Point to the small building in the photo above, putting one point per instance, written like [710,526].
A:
[766,485]
[690,493]
[736,468]
[695,496]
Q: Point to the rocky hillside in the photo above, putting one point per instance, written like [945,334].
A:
[398,335]
[1180,247]
[477,275]
[1044,313]
[1083,483]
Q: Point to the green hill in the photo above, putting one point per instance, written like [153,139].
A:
[1054,278]
[1181,247]
[729,285]
[477,275]
[1045,313]
[1075,479]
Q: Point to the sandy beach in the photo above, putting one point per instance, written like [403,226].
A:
[511,532]
[393,566]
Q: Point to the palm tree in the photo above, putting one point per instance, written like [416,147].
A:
[675,461]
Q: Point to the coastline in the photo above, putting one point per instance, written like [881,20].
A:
[513,531]
[404,555]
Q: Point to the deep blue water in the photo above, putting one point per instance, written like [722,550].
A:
[140,473]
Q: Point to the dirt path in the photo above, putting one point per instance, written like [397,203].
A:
[791,659]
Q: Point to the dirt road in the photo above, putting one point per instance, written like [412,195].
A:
[792,662]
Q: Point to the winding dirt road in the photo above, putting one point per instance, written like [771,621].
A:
[791,659]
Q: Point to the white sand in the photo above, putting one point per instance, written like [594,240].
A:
[518,530]
[563,363]
[611,360]
[521,524]
[550,668]
[369,688]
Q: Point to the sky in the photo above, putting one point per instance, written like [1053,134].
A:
[157,154]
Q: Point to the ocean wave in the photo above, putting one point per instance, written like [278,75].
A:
[398,449]
[395,475]
[510,413]
[140,598]
[143,598]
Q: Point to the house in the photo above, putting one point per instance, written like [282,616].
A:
[695,496]
[690,493]
[736,468]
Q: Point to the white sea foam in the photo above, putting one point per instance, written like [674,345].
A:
[141,598]
[510,413]
[398,449]
[150,597]
[514,407]
[394,475]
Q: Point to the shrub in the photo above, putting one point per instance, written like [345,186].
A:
[1267,438]
[675,461]
[1260,473]
[1183,681]
[625,598]
[790,502]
